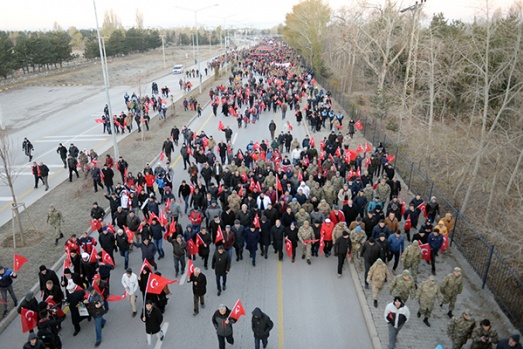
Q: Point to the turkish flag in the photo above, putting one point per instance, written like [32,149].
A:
[423,208]
[189,150]
[322,244]
[290,126]
[375,186]
[368,149]
[162,156]
[256,146]
[28,318]
[300,176]
[237,311]
[240,193]
[49,300]
[403,207]
[278,184]
[358,173]
[114,298]
[96,224]
[99,121]
[358,125]
[338,152]
[252,185]
[288,247]
[67,262]
[311,142]
[156,283]
[244,177]
[233,112]
[106,258]
[152,216]
[110,228]
[162,219]
[18,262]
[322,145]
[256,221]
[145,264]
[191,186]
[390,158]
[367,162]
[92,257]
[129,233]
[219,235]
[446,244]
[220,189]
[425,252]
[408,223]
[190,268]
[221,127]
[192,248]
[172,229]
[359,149]
[199,240]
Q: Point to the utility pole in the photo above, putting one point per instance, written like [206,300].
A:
[163,49]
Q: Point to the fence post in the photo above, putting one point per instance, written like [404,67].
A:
[411,170]
[454,230]
[488,267]
[431,189]
[385,140]
[396,156]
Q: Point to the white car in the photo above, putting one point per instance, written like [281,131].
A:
[178,69]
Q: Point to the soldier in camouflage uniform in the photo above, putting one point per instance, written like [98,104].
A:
[357,237]
[294,205]
[411,259]
[306,233]
[270,180]
[427,293]
[451,286]
[308,207]
[315,191]
[369,192]
[483,336]
[55,220]
[234,201]
[459,329]
[337,182]
[325,208]
[311,183]
[329,193]
[313,167]
[301,217]
[232,168]
[403,286]
[378,274]
[383,191]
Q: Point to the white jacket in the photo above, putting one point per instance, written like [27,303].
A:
[130,283]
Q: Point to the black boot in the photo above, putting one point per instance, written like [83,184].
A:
[426,321]
[450,313]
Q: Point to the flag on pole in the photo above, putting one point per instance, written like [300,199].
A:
[390,158]
[358,125]
[96,225]
[192,248]
[425,252]
[114,298]
[237,311]
[288,247]
[111,228]
[446,244]
[359,149]
[145,264]
[423,208]
[18,262]
[219,235]
[408,223]
[28,318]
[156,283]
[106,258]
[190,268]
[92,257]
[368,149]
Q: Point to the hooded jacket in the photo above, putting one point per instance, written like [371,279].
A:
[261,324]
[397,317]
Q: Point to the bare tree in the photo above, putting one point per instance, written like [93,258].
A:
[139,19]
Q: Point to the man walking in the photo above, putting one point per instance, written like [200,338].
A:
[72,165]
[341,249]
[221,263]
[95,306]
[223,324]
[460,328]
[44,174]
[27,147]
[199,288]
[130,284]
[426,295]
[451,287]
[261,326]
[168,148]
[55,220]
[378,274]
[396,315]
[6,285]
[62,151]
[153,319]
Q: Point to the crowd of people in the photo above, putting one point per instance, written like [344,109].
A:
[279,196]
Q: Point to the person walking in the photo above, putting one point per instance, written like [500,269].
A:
[377,276]
[44,174]
[6,285]
[451,287]
[179,251]
[153,318]
[97,178]
[55,220]
[28,148]
[33,342]
[396,315]
[130,284]
[199,288]
[95,306]
[403,286]
[341,249]
[62,151]
[427,293]
[221,263]
[460,328]
[261,327]
[168,148]
[223,325]
[72,164]
[35,170]
[272,128]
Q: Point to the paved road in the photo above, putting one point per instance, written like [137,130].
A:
[310,306]
[52,115]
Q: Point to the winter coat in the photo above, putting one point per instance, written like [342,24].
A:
[200,288]
[261,324]
[396,317]
[252,237]
[218,320]
[221,263]
[153,320]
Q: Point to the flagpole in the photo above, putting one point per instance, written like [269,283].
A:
[145,293]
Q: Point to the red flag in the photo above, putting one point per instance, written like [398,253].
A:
[240,193]
[190,268]
[288,247]
[290,126]
[110,228]
[114,298]
[423,208]
[375,186]
[156,283]
[252,185]
[18,262]
[403,207]
[51,303]
[322,145]
[129,233]
[92,257]
[67,262]
[191,247]
[28,318]
[300,176]
[368,149]
[189,150]
[390,158]
[258,187]
[425,252]
[339,127]
[99,121]
[220,189]
[338,152]
[256,221]
[95,224]
[145,264]
[446,244]
[358,125]
[1,301]
[162,156]
[408,223]
[172,229]
[219,235]
[367,162]
[322,244]
[359,149]
[221,127]
[106,258]
[162,219]
[199,240]
[311,142]
[278,184]
[237,311]
[244,177]
[152,216]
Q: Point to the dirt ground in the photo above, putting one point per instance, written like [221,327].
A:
[75,199]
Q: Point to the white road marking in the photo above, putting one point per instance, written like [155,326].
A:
[159,343]
[234,138]
[76,140]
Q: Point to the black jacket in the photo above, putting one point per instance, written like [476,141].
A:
[371,253]
[49,275]
[153,320]
[261,324]
[107,242]
[342,246]
[200,288]
[221,263]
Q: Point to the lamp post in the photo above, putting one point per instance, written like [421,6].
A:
[197,45]
[106,84]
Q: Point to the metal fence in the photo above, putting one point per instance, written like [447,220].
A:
[504,283]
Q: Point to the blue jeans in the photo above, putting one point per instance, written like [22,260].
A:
[218,285]
[109,189]
[99,322]
[158,244]
[186,200]
[180,261]
[257,342]
[125,255]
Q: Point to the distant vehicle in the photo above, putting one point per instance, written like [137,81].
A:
[178,69]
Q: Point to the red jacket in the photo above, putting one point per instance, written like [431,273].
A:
[149,180]
[326,231]
[335,219]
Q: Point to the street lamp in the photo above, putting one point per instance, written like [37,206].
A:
[197,45]
[106,84]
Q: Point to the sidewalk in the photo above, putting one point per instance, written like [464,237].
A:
[415,334]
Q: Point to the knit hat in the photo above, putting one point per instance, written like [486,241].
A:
[515,337]
[32,336]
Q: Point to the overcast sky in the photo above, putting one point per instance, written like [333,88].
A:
[41,14]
